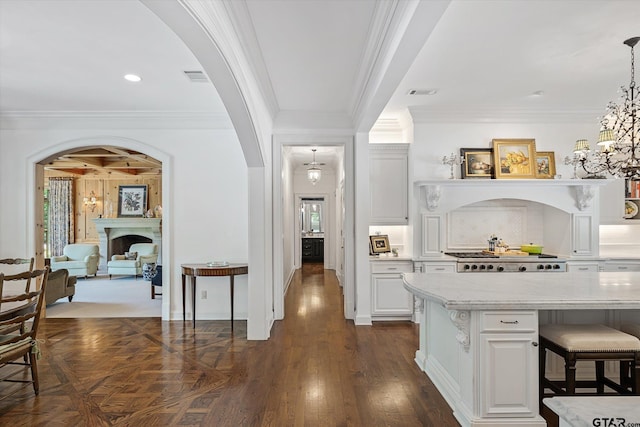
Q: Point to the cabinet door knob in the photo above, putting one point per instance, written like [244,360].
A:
[535,344]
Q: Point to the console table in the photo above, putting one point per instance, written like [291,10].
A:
[195,270]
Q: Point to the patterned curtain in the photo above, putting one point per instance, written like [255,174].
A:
[61,224]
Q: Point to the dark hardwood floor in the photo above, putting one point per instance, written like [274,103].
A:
[317,369]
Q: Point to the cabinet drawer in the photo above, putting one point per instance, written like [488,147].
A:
[391,267]
[429,267]
[508,321]
[583,268]
[619,266]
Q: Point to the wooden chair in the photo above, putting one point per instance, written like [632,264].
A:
[21,311]
[628,375]
[597,343]
[20,261]
[27,286]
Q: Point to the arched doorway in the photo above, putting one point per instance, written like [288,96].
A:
[99,166]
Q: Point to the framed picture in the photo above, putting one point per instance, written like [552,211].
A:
[132,200]
[379,244]
[545,164]
[477,162]
[514,158]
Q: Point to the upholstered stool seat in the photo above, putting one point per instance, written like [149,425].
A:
[596,343]
[631,328]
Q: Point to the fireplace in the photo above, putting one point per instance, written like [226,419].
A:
[117,234]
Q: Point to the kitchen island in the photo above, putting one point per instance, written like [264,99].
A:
[479,333]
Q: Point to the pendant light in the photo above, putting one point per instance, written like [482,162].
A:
[314,173]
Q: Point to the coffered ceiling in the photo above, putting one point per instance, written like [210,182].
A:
[485,59]
[112,161]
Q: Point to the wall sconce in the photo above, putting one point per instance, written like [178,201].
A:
[91,201]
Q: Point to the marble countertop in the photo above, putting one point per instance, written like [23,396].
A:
[313,236]
[523,291]
[589,411]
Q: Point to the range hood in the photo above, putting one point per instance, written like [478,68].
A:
[461,214]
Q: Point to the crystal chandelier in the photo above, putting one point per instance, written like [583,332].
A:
[314,173]
[619,153]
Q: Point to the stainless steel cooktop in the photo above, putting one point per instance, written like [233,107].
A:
[483,262]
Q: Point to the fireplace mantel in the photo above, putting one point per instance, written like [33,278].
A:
[111,228]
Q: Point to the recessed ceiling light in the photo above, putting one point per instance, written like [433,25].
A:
[132,78]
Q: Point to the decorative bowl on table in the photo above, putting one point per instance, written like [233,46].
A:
[217,264]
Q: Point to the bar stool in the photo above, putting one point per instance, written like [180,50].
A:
[626,373]
[597,343]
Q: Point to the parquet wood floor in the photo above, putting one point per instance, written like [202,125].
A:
[317,369]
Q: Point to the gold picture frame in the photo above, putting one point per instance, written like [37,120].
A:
[477,163]
[379,244]
[545,164]
[514,158]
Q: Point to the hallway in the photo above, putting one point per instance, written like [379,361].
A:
[316,369]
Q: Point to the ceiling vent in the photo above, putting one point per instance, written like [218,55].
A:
[422,92]
[196,76]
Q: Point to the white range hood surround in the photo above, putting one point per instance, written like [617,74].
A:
[112,228]
[571,227]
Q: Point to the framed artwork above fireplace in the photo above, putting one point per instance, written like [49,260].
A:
[132,201]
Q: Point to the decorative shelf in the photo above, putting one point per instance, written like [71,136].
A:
[554,192]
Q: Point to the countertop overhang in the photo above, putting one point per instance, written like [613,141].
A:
[524,291]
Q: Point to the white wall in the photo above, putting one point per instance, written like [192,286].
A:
[288,224]
[205,218]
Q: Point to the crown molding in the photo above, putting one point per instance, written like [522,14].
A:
[387,130]
[399,30]
[113,119]
[244,30]
[374,50]
[498,115]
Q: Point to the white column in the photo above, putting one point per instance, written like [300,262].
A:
[362,214]
[260,282]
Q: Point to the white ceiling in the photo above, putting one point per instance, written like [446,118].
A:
[489,57]
[61,55]
[485,58]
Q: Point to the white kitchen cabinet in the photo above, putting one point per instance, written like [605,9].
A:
[389,299]
[612,202]
[389,183]
[436,267]
[613,265]
[584,235]
[583,266]
[509,364]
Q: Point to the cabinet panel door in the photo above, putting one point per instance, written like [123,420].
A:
[431,235]
[389,174]
[583,234]
[612,202]
[508,372]
[389,297]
